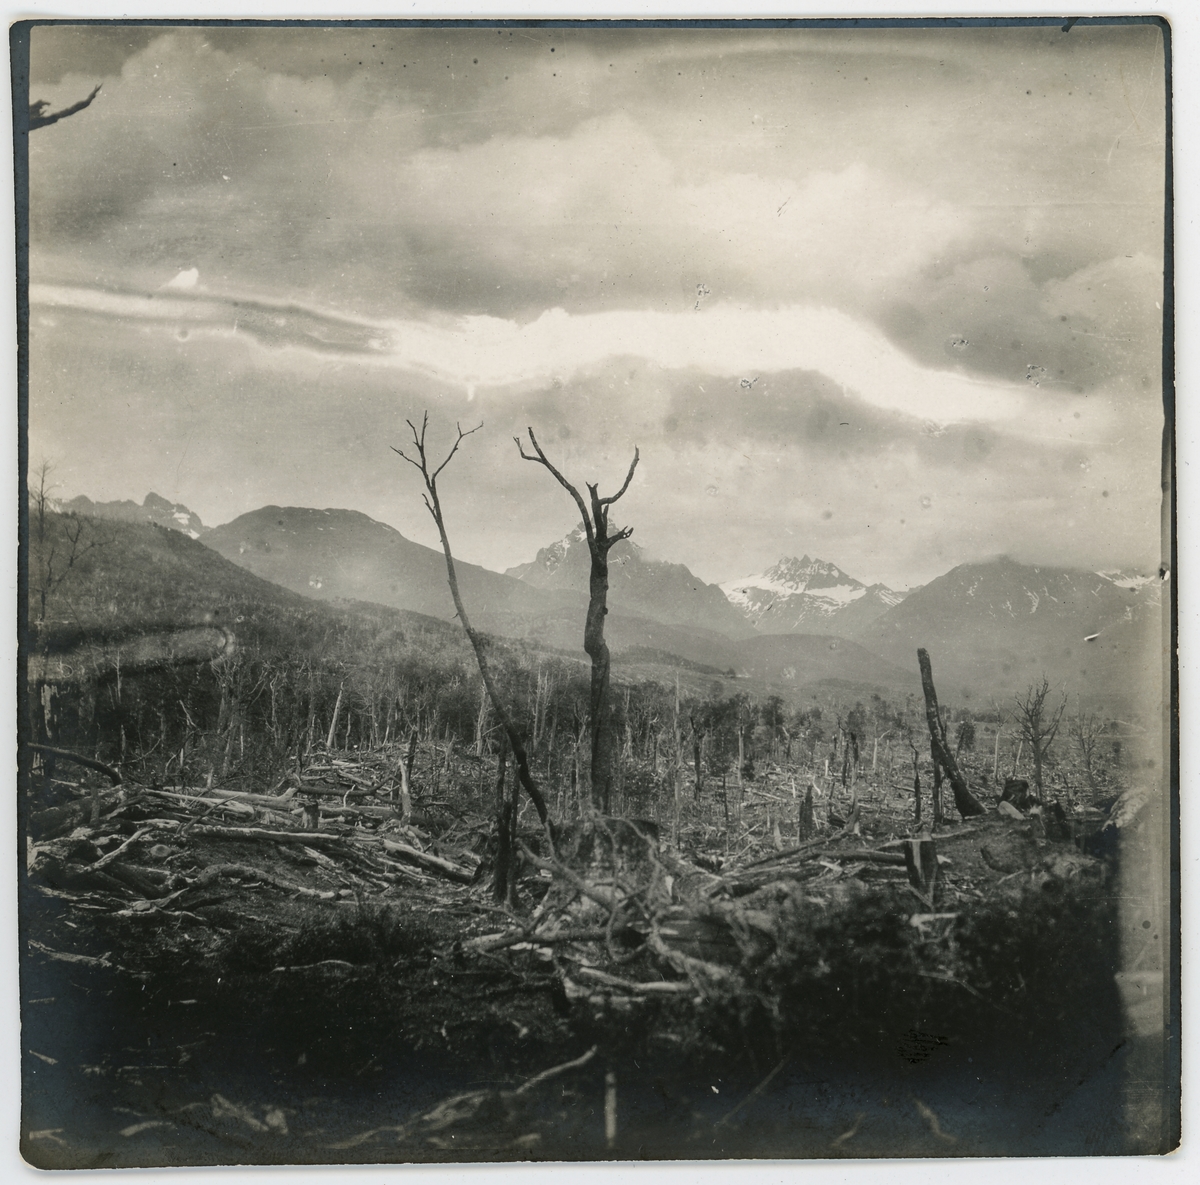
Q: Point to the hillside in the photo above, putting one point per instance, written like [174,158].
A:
[796,661]
[139,596]
[137,575]
[994,628]
[326,554]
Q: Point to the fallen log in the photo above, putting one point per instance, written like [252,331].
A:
[59,820]
[316,839]
[203,794]
[427,860]
[489,942]
[654,988]
[66,957]
[871,856]
[201,799]
[215,871]
[113,775]
[362,812]
[739,886]
[799,850]
[111,856]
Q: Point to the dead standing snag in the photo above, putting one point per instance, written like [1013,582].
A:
[39,117]
[964,801]
[421,463]
[600,542]
[1038,724]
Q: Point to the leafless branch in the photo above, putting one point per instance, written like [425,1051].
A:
[628,479]
[542,459]
[420,462]
[39,119]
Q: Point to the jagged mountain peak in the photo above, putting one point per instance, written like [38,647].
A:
[805,573]
[808,595]
[638,584]
[154,508]
[572,549]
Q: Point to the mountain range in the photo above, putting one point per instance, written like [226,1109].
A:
[992,628]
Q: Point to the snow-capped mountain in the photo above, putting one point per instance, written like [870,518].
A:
[996,627]
[809,596]
[154,509]
[638,586]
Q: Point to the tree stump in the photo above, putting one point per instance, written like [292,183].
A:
[920,859]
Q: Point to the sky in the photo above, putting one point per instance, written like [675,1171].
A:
[892,298]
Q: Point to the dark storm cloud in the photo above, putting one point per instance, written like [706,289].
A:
[479,172]
[1069,332]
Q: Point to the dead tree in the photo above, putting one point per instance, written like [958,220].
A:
[916,755]
[504,885]
[57,546]
[40,118]
[1085,730]
[699,729]
[964,801]
[1038,725]
[936,793]
[420,462]
[600,542]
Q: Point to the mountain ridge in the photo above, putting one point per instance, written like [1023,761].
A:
[666,592]
[809,595]
[153,509]
[999,626]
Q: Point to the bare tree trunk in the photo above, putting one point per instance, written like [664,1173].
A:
[964,801]
[337,707]
[435,509]
[504,850]
[916,788]
[600,711]
[938,817]
[410,757]
[595,523]
[806,823]
[676,769]
[405,791]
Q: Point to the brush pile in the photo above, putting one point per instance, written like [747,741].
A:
[600,897]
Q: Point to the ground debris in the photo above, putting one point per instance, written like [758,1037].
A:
[386,928]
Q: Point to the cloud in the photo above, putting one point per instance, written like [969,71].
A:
[812,273]
[401,173]
[488,352]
